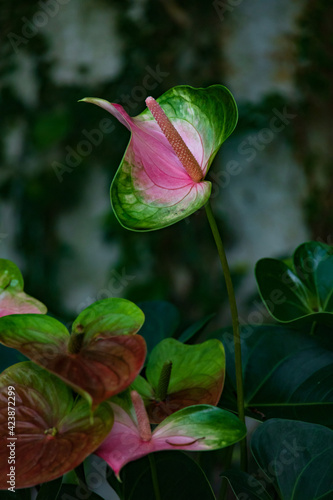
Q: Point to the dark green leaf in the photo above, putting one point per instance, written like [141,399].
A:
[302,290]
[193,331]
[246,486]
[297,457]
[79,471]
[179,477]
[286,373]
[161,321]
[50,490]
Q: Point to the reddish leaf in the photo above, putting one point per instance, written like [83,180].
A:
[99,359]
[53,433]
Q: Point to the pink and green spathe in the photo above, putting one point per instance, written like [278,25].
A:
[161,178]
[195,428]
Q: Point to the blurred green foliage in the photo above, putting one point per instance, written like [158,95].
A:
[56,121]
[184,39]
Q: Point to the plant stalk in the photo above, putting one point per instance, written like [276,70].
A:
[313,328]
[224,483]
[235,326]
[154,477]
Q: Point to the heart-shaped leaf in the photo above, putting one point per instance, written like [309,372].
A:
[13,300]
[200,427]
[48,432]
[178,476]
[301,290]
[153,188]
[297,457]
[196,376]
[100,358]
[286,373]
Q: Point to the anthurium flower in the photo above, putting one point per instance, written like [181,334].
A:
[13,300]
[196,428]
[180,375]
[44,431]
[161,178]
[99,359]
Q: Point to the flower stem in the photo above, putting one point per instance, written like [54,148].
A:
[313,328]
[224,483]
[235,327]
[154,477]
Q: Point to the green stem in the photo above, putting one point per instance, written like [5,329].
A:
[224,484]
[235,327]
[154,477]
[313,328]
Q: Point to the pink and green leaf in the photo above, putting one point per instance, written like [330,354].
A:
[197,376]
[99,359]
[13,300]
[197,428]
[53,432]
[152,189]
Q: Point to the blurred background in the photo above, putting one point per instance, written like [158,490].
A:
[272,178]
